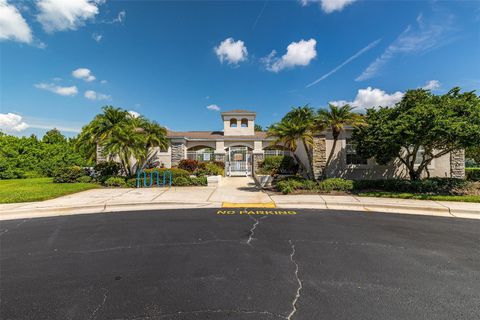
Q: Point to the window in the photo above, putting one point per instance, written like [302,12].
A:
[244,123]
[233,123]
[352,156]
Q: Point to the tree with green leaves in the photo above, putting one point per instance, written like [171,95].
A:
[420,128]
[258,128]
[336,118]
[119,134]
[296,125]
[473,153]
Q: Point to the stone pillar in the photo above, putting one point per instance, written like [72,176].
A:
[457,164]
[257,159]
[319,155]
[99,156]
[220,157]
[178,153]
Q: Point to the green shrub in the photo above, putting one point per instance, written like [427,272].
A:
[472,174]
[68,174]
[105,169]
[132,183]
[115,182]
[188,165]
[291,184]
[431,185]
[211,169]
[84,179]
[176,172]
[278,164]
[199,181]
[182,181]
[335,184]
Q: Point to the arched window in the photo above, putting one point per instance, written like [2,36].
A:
[233,123]
[244,123]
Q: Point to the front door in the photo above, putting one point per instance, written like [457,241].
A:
[239,161]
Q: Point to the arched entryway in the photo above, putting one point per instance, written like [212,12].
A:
[239,161]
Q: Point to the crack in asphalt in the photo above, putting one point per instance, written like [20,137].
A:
[94,313]
[252,229]
[300,286]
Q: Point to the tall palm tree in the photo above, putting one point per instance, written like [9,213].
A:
[100,128]
[336,119]
[154,135]
[126,145]
[296,125]
[120,134]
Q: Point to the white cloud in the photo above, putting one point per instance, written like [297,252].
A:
[63,91]
[12,25]
[329,6]
[119,19]
[213,107]
[92,95]
[231,51]
[356,55]
[103,81]
[12,122]
[432,85]
[419,39]
[298,54]
[97,37]
[61,15]
[83,73]
[371,98]
[134,114]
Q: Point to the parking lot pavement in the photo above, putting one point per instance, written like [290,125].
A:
[240,264]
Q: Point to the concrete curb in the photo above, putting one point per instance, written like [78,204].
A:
[443,210]
[103,208]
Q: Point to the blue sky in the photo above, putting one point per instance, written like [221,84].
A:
[179,63]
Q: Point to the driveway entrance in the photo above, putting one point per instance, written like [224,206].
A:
[240,190]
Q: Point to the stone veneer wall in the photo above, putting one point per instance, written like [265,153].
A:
[257,159]
[178,153]
[100,157]
[457,164]
[220,157]
[319,153]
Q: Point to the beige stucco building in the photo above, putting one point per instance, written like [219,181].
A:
[241,148]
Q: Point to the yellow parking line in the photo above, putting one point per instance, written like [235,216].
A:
[248,205]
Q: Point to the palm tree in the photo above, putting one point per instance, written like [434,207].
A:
[154,135]
[336,118]
[296,125]
[100,128]
[119,134]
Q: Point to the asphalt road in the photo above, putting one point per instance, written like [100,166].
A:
[198,264]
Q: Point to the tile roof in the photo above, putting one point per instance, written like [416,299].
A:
[238,111]
[214,135]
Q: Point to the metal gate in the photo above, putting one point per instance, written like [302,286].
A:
[239,161]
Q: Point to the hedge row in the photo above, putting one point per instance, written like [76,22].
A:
[472,174]
[432,186]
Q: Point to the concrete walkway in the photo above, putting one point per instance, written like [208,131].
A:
[233,192]
[241,191]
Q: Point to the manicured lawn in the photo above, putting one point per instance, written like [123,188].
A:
[384,194]
[37,189]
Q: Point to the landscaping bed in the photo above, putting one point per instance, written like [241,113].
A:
[445,189]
